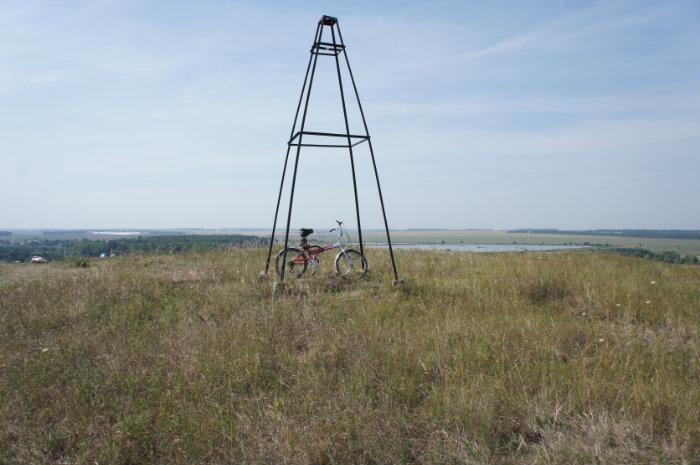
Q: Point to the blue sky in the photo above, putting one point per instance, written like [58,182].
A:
[483,114]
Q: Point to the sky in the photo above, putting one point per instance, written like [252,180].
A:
[493,114]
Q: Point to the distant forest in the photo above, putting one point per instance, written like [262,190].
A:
[58,249]
[647,233]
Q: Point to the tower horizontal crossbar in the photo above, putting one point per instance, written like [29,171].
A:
[325,134]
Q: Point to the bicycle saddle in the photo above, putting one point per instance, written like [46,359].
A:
[303,232]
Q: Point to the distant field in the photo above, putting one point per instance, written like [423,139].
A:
[565,357]
[681,246]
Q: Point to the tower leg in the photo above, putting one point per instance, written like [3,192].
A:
[347,131]
[286,157]
[374,163]
[386,223]
[296,161]
[277,209]
[289,214]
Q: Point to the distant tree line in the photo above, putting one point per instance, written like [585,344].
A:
[58,249]
[648,233]
[65,232]
[666,256]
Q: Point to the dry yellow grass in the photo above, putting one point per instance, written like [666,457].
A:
[571,357]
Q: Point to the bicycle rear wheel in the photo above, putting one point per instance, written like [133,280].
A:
[350,264]
[296,262]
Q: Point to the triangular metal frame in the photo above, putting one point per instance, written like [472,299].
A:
[333,49]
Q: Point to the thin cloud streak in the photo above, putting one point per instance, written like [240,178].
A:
[596,20]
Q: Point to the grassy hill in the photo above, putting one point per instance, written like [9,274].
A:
[572,357]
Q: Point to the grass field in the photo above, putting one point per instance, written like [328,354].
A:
[567,357]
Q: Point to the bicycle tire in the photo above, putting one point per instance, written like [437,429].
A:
[346,264]
[293,267]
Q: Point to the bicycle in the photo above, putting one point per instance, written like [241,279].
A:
[349,263]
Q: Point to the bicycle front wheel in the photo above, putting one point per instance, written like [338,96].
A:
[296,262]
[350,264]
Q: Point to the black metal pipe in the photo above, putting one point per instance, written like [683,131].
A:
[381,202]
[328,44]
[320,145]
[331,134]
[371,151]
[296,161]
[347,130]
[360,141]
[286,159]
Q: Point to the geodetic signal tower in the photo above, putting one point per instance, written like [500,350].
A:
[334,48]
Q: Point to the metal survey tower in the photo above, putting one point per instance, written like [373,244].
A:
[334,48]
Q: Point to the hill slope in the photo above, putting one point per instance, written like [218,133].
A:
[522,358]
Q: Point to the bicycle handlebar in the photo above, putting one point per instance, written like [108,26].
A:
[339,228]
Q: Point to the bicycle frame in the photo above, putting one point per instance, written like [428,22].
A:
[313,251]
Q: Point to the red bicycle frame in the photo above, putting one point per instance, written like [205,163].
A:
[313,251]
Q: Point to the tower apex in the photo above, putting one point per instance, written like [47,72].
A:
[328,20]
